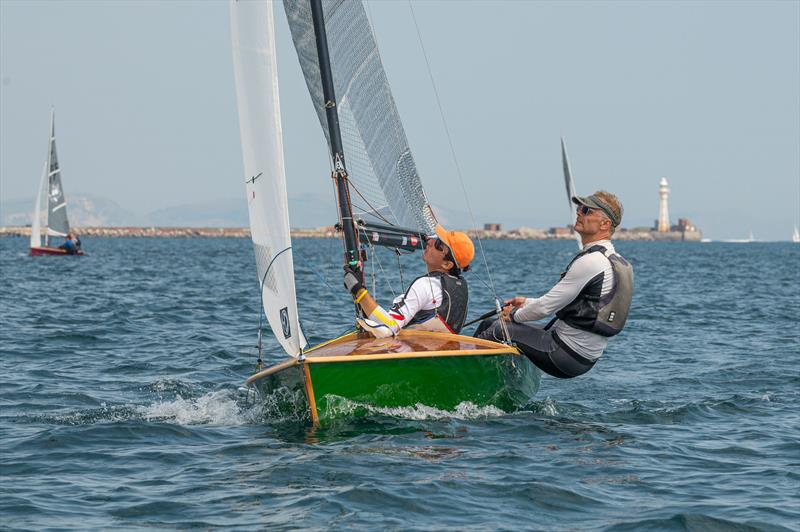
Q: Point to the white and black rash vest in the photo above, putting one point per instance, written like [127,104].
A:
[601,314]
[452,310]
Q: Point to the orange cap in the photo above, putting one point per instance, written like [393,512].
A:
[460,245]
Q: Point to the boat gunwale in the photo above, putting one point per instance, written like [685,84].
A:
[508,350]
[404,333]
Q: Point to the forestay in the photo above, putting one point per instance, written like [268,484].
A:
[377,155]
[255,65]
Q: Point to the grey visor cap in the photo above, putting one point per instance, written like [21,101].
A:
[596,203]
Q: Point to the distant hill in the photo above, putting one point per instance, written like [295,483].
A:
[83,211]
[306,210]
[222,213]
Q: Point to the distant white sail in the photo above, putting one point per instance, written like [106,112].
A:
[569,185]
[796,235]
[36,224]
[255,65]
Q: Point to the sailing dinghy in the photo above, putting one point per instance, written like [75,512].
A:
[50,220]
[439,370]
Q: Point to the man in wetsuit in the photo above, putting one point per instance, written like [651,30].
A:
[590,302]
[436,301]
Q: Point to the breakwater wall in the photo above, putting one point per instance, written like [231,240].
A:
[330,232]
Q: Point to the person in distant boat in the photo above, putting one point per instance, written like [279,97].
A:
[436,301]
[590,302]
[69,245]
[77,240]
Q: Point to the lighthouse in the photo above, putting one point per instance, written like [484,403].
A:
[663,210]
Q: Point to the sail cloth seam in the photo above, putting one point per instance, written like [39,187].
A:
[452,148]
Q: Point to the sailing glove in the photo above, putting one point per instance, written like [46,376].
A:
[353,283]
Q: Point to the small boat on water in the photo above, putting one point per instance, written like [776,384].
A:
[796,235]
[750,238]
[51,220]
[356,371]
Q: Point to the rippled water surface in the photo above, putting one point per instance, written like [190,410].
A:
[123,407]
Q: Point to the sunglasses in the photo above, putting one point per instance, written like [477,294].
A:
[441,246]
[584,210]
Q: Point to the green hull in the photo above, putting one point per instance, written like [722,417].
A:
[357,374]
[505,381]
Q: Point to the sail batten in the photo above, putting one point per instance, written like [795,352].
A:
[255,68]
[379,162]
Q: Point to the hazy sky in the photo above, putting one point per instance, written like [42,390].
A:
[704,93]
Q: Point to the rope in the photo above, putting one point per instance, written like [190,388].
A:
[453,155]
[372,208]
[377,259]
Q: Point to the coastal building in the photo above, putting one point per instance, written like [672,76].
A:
[492,227]
[561,232]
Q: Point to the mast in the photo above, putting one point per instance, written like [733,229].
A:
[352,255]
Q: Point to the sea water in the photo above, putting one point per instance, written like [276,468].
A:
[123,404]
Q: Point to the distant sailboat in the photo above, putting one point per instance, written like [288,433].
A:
[796,235]
[747,240]
[50,220]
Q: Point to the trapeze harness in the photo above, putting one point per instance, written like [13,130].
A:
[453,309]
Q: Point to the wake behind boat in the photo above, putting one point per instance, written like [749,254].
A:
[440,370]
[51,220]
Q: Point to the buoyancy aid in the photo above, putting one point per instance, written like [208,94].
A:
[604,315]
[454,305]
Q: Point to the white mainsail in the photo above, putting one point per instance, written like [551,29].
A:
[255,65]
[569,185]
